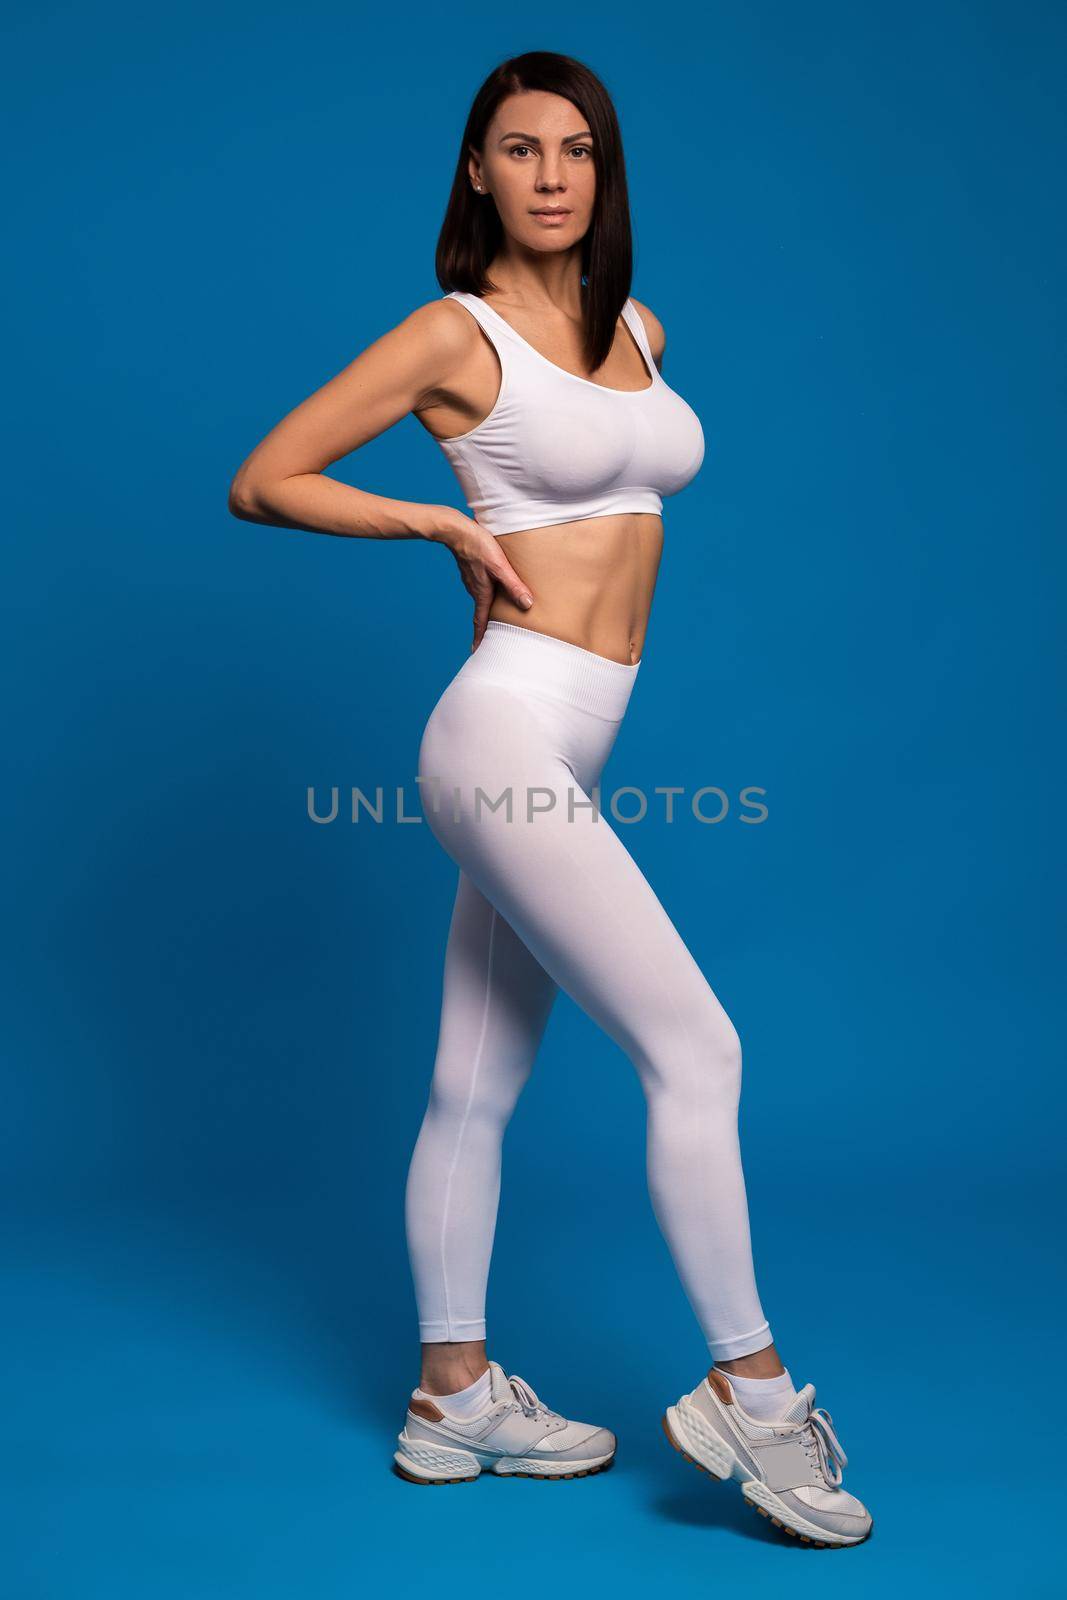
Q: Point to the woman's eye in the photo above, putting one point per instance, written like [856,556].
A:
[579,149]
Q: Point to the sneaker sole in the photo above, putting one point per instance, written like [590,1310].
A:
[713,1456]
[419,1462]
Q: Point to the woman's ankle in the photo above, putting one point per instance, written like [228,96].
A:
[448,1367]
[765,1363]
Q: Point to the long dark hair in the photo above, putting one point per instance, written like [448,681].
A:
[471,234]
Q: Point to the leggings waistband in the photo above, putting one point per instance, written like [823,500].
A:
[509,653]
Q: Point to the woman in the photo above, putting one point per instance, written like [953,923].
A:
[540,379]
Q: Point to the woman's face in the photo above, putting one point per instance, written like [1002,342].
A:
[537,166]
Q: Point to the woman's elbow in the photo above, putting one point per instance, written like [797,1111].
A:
[243,501]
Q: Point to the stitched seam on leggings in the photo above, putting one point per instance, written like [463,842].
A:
[467,1109]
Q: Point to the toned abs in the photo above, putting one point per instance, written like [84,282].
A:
[592,581]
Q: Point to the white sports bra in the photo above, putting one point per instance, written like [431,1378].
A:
[557,447]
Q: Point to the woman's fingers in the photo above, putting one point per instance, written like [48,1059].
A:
[481,615]
[504,574]
[484,567]
[469,541]
[493,573]
[479,585]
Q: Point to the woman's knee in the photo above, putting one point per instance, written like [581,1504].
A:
[700,1056]
[719,1052]
[486,1097]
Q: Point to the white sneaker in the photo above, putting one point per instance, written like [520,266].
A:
[789,1469]
[516,1436]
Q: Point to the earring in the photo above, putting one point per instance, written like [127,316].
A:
[478,187]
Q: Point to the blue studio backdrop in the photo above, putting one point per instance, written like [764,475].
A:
[221,1015]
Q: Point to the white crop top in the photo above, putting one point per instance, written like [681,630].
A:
[557,447]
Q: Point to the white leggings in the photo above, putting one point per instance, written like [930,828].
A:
[550,898]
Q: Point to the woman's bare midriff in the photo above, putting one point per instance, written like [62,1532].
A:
[592,581]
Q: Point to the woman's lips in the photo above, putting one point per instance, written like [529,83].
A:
[550,218]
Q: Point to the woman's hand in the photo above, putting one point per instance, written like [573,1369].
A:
[482,566]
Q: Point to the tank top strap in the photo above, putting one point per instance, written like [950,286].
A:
[633,320]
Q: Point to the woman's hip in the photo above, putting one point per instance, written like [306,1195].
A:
[526,703]
[523,657]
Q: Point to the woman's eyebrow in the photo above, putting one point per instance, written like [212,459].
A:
[531,138]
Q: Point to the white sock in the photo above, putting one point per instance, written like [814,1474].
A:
[465,1403]
[764,1398]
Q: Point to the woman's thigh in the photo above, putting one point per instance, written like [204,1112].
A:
[558,873]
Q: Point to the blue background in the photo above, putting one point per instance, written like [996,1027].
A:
[221,1018]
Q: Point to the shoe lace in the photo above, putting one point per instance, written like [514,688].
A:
[829,1455]
[527,1399]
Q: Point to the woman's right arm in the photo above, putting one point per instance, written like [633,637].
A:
[283,481]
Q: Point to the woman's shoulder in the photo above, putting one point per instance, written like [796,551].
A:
[440,328]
